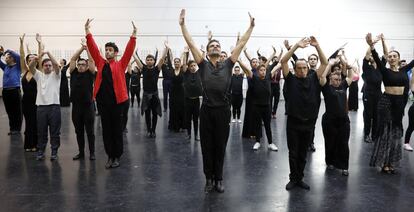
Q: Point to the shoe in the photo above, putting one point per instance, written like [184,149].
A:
[367,139]
[53,157]
[331,167]
[149,134]
[233,120]
[92,156]
[196,138]
[256,146]
[273,116]
[153,135]
[27,150]
[240,121]
[272,147]
[115,163]
[345,172]
[386,170]
[209,186]
[78,156]
[40,156]
[108,163]
[408,147]
[188,137]
[291,184]
[219,186]
[34,149]
[312,148]
[303,185]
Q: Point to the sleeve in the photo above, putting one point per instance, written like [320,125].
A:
[2,65]
[129,50]
[37,75]
[93,49]
[15,56]
[407,67]
[380,65]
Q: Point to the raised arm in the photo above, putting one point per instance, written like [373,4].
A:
[374,53]
[55,63]
[184,58]
[91,62]
[245,69]
[75,57]
[270,57]
[288,47]
[197,54]
[138,61]
[350,75]
[284,61]
[322,57]
[322,79]
[276,69]
[93,48]
[247,55]
[130,47]
[33,64]
[23,65]
[164,54]
[242,42]
[384,45]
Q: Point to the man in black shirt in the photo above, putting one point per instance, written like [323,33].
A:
[215,110]
[303,91]
[236,94]
[135,86]
[167,71]
[192,92]
[83,115]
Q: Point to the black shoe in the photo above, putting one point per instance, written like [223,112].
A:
[149,134]
[78,156]
[291,184]
[53,157]
[40,156]
[345,172]
[331,167]
[367,139]
[108,163]
[312,148]
[209,186]
[303,185]
[219,186]
[115,163]
[153,135]
[92,156]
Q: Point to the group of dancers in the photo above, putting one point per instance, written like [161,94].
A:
[105,81]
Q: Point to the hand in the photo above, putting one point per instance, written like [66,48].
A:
[210,35]
[369,40]
[333,61]
[313,41]
[38,38]
[186,49]
[381,36]
[22,39]
[134,29]
[166,44]
[274,49]
[304,42]
[1,50]
[88,24]
[83,43]
[202,49]
[252,24]
[182,18]
[286,43]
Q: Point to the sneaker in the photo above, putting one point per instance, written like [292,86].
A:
[40,156]
[108,163]
[53,157]
[256,146]
[233,121]
[272,147]
[240,121]
[78,156]
[196,138]
[331,167]
[115,163]
[408,147]
[367,139]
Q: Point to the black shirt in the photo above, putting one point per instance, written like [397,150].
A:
[135,79]
[335,99]
[215,82]
[237,84]
[167,71]
[390,77]
[304,96]
[150,78]
[372,78]
[106,93]
[192,84]
[81,87]
[261,89]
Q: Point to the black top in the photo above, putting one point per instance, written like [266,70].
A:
[106,93]
[29,90]
[81,87]
[304,96]
[372,78]
[237,84]
[167,68]
[127,80]
[335,99]
[215,82]
[150,78]
[261,89]
[192,84]
[390,77]
[135,79]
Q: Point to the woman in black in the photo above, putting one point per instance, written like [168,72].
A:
[248,121]
[215,110]
[29,87]
[410,127]
[387,151]
[236,94]
[176,122]
[64,85]
[192,91]
[335,120]
[353,92]
[135,86]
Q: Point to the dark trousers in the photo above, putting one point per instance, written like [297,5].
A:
[125,110]
[336,133]
[12,103]
[83,117]
[192,112]
[370,113]
[410,128]
[274,98]
[48,118]
[111,119]
[236,103]
[135,91]
[262,113]
[299,134]
[30,132]
[353,96]
[151,115]
[166,89]
[214,133]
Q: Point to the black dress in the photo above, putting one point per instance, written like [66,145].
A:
[64,88]
[176,121]
[248,122]
[29,111]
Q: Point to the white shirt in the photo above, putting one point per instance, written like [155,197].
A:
[48,88]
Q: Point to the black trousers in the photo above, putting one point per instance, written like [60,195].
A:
[111,119]
[166,89]
[30,132]
[192,113]
[275,97]
[336,133]
[12,103]
[236,103]
[48,118]
[83,118]
[214,133]
[125,110]
[135,91]
[262,113]
[299,135]
[410,127]
[151,115]
[353,96]
[370,113]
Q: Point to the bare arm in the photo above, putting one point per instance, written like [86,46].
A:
[198,56]
[247,55]
[284,61]
[246,70]
[164,53]
[75,57]
[270,57]
[322,79]
[350,75]
[33,64]
[91,62]
[384,45]
[55,63]
[184,59]
[23,66]
[322,57]
[242,42]
[276,69]
[138,61]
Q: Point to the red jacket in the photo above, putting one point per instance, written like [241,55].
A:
[117,68]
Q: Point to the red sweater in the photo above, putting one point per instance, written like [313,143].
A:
[117,68]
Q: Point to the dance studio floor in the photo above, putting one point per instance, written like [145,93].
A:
[165,174]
